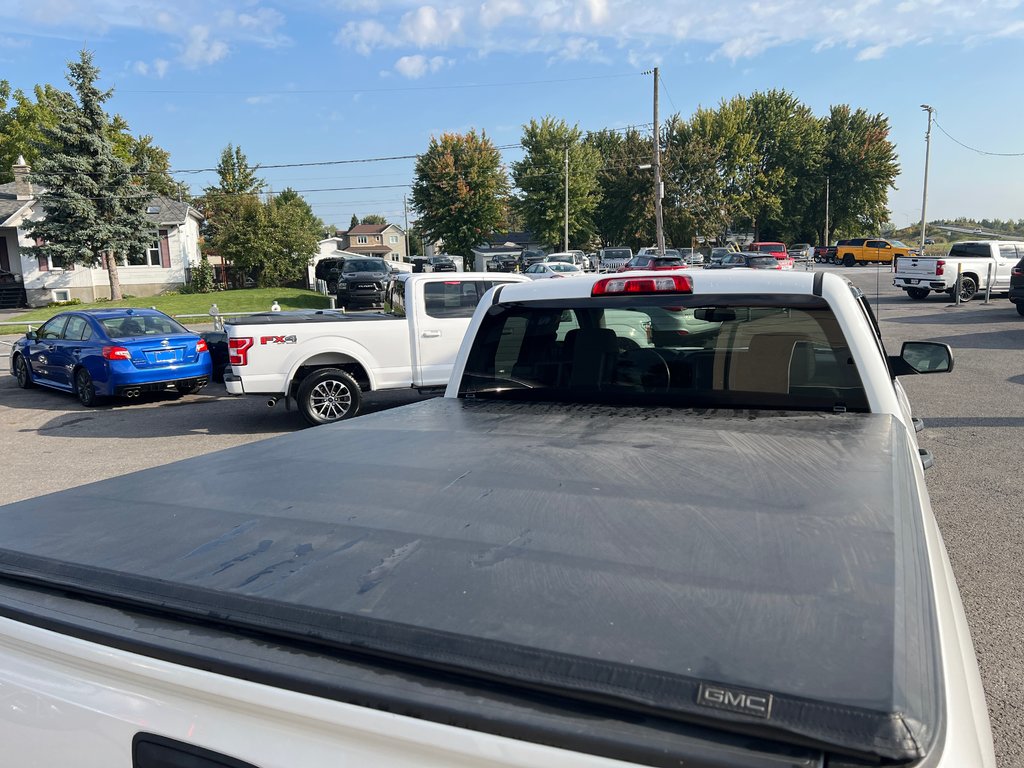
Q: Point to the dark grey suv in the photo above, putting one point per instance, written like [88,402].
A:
[1017,286]
[361,283]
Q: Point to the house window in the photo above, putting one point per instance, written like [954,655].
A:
[55,262]
[361,239]
[393,239]
[148,258]
[61,294]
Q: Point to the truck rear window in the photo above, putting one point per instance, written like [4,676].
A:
[455,298]
[715,354]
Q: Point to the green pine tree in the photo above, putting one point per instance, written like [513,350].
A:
[93,202]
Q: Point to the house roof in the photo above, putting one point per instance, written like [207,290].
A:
[165,210]
[519,238]
[9,203]
[370,229]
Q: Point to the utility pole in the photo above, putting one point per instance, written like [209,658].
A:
[825,243]
[927,153]
[566,248]
[659,224]
[405,210]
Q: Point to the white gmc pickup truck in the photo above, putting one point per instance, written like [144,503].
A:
[326,359]
[656,520]
[978,261]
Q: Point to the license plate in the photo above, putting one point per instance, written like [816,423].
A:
[913,282]
[164,356]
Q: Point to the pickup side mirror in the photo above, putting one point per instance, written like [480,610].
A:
[921,357]
[31,336]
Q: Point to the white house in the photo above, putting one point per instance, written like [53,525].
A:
[163,267]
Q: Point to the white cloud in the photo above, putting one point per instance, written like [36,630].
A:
[426,27]
[872,52]
[364,36]
[415,67]
[494,12]
[729,29]
[141,68]
[200,50]
[160,67]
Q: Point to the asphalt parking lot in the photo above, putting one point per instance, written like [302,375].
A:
[974,425]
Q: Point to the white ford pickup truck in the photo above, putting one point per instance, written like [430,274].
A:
[326,359]
[978,261]
[656,520]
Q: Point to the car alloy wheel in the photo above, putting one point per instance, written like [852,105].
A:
[21,372]
[84,388]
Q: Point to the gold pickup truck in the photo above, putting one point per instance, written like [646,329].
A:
[862,250]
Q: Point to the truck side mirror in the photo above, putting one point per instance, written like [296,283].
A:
[922,357]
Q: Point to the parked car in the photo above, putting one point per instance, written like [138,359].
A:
[718,253]
[504,262]
[778,250]
[530,256]
[577,258]
[1017,287]
[801,252]
[745,260]
[442,264]
[610,259]
[691,256]
[95,353]
[864,250]
[653,261]
[546,269]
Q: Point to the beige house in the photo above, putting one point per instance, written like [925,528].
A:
[163,267]
[386,241]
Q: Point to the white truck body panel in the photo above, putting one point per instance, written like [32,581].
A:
[87,701]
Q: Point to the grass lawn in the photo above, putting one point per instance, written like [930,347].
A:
[241,300]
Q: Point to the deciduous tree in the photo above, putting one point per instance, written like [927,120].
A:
[459,191]
[541,178]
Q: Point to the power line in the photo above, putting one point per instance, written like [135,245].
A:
[973,149]
[399,89]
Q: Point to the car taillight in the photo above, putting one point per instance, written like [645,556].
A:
[117,353]
[1017,272]
[940,267]
[239,350]
[621,285]
[201,346]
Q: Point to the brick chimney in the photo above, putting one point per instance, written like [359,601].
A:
[22,186]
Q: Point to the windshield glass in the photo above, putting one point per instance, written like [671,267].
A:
[654,351]
[141,325]
[558,266]
[364,265]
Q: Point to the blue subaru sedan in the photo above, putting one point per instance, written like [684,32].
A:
[98,353]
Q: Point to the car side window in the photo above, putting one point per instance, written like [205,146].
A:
[53,329]
[76,328]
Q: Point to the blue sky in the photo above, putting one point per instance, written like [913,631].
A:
[307,81]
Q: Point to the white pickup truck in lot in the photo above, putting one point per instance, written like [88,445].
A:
[326,359]
[977,260]
[656,520]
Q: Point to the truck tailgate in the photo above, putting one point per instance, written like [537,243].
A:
[910,266]
[766,573]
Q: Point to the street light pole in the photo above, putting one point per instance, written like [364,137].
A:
[927,153]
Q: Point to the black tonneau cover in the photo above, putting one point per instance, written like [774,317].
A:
[764,572]
[286,317]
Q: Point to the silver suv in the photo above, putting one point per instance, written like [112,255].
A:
[610,259]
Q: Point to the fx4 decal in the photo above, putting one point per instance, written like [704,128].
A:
[277,339]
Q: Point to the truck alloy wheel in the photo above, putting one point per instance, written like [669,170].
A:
[849,260]
[968,288]
[329,394]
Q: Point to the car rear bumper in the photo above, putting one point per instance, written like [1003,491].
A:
[919,282]
[122,376]
[1017,294]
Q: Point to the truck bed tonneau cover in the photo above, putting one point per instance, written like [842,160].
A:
[765,573]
